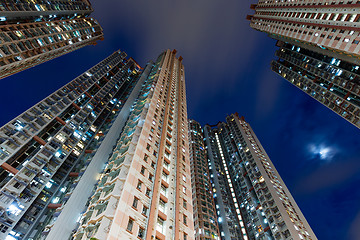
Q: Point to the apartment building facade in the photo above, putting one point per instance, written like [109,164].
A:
[252,201]
[33,32]
[318,49]
[46,150]
[144,191]
[205,219]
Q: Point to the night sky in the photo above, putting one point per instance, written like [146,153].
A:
[227,68]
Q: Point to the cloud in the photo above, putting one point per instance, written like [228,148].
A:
[322,151]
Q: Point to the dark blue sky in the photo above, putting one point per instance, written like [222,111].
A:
[227,68]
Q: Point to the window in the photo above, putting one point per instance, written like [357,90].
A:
[135,202]
[142,170]
[184,203]
[160,226]
[185,236]
[3,228]
[185,219]
[139,185]
[130,225]
[165,177]
[166,165]
[148,192]
[17,185]
[163,190]
[146,157]
[184,190]
[162,206]
[184,178]
[168,144]
[148,147]
[151,177]
[153,164]
[141,233]
[145,210]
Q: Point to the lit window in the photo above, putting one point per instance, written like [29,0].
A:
[139,185]
[148,192]
[160,226]
[55,200]
[165,177]
[163,190]
[141,233]
[162,206]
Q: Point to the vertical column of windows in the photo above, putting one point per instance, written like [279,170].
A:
[203,205]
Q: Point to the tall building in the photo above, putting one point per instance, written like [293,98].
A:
[33,32]
[331,81]
[329,27]
[144,191]
[319,49]
[107,157]
[47,149]
[252,201]
[205,219]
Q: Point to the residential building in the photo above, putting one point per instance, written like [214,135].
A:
[252,201]
[331,81]
[329,27]
[45,151]
[107,157]
[319,49]
[33,32]
[205,219]
[144,191]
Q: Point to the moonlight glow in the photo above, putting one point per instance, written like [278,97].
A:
[322,151]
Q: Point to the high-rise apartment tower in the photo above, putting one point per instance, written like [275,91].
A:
[45,151]
[144,191]
[205,218]
[251,200]
[33,32]
[331,81]
[319,49]
[330,27]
